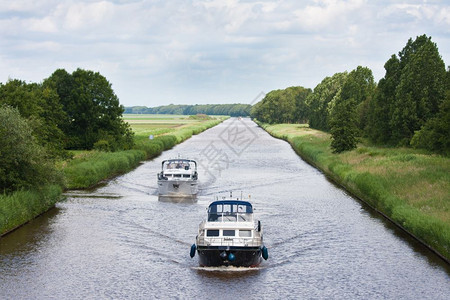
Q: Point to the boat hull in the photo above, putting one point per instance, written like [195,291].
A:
[177,188]
[220,256]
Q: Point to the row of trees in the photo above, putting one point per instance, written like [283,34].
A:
[409,106]
[234,110]
[40,121]
[283,106]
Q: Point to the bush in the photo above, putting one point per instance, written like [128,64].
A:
[102,145]
[23,163]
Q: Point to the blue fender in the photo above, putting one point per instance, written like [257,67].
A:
[231,256]
[265,252]
[193,248]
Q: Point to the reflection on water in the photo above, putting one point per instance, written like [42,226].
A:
[122,241]
[178,199]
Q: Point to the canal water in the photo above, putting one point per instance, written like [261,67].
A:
[119,241]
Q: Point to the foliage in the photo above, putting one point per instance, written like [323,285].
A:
[283,106]
[322,100]
[93,110]
[409,95]
[345,121]
[434,135]
[40,105]
[343,126]
[23,162]
[234,110]
[380,108]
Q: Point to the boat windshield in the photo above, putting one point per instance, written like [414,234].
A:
[230,211]
[179,164]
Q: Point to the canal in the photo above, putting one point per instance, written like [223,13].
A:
[119,241]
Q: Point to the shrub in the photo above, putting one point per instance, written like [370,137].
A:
[23,162]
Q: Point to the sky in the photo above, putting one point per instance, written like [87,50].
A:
[157,52]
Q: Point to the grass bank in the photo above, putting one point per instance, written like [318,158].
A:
[22,206]
[410,187]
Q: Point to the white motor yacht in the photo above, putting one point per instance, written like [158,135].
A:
[178,178]
[230,236]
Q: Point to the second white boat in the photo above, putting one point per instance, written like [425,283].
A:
[178,178]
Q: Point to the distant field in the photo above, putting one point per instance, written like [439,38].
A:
[153,117]
[157,124]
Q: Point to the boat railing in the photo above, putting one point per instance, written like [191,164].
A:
[230,241]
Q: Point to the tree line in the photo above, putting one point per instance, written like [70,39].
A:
[408,107]
[39,122]
[234,110]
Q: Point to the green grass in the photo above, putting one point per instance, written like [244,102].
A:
[22,206]
[86,171]
[409,186]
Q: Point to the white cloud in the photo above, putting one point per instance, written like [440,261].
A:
[327,14]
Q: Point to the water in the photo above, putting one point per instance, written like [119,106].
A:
[119,241]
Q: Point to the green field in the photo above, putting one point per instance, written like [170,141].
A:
[411,187]
[146,124]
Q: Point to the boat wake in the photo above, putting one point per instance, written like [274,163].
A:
[228,269]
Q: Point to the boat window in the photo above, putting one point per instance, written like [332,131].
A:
[213,217]
[186,175]
[177,175]
[229,208]
[244,217]
[214,232]
[243,208]
[226,208]
[228,233]
[245,233]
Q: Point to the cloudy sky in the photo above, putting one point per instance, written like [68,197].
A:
[157,52]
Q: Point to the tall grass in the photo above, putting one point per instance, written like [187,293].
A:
[22,206]
[408,186]
[91,169]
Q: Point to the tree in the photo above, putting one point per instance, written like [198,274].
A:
[421,88]
[23,162]
[380,108]
[321,100]
[40,105]
[360,86]
[343,126]
[282,106]
[347,115]
[434,135]
[93,108]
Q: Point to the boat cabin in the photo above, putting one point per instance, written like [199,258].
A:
[230,211]
[179,164]
[178,169]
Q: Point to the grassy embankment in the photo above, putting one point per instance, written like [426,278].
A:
[410,187]
[88,168]
[22,206]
